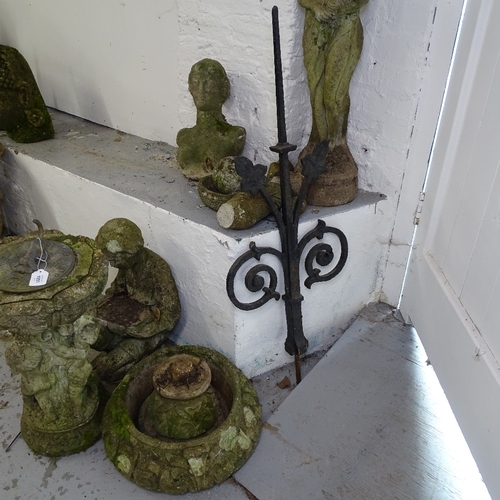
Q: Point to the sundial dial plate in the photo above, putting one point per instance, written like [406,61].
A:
[17,262]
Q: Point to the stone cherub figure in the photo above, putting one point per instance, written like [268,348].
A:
[140,308]
[23,114]
[212,138]
[55,371]
[332,43]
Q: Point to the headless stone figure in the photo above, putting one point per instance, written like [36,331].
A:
[332,43]
[140,308]
[212,138]
[23,114]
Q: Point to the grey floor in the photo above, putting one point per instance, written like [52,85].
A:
[369,421]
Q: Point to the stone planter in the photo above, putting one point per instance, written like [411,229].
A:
[180,466]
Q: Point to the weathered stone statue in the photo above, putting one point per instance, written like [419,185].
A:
[55,370]
[140,308]
[332,43]
[212,138]
[23,114]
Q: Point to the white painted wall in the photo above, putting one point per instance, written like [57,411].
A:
[433,82]
[200,258]
[125,64]
[112,62]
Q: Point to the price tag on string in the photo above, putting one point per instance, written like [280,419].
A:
[39,277]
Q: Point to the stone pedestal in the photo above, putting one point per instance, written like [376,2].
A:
[133,178]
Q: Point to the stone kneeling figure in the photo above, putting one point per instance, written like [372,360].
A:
[141,306]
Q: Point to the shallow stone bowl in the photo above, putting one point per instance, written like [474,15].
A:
[210,196]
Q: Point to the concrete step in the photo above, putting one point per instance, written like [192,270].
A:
[369,422]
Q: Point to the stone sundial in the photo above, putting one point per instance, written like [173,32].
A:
[19,261]
[52,334]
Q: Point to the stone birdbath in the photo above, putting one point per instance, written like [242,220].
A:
[182,420]
[52,336]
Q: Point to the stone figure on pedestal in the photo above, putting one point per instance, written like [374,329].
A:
[332,43]
[48,283]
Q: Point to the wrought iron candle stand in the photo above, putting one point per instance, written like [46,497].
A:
[287,219]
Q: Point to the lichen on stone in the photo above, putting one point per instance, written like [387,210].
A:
[23,114]
[123,464]
[197,466]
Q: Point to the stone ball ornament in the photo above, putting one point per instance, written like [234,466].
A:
[225,178]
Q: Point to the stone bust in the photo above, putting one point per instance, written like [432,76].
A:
[212,138]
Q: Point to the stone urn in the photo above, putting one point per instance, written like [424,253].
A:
[52,333]
[182,420]
[183,404]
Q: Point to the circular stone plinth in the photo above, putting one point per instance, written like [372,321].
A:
[58,443]
[191,465]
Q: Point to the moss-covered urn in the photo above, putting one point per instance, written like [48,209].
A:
[183,405]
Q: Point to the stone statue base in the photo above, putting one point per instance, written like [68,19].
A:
[339,184]
[51,440]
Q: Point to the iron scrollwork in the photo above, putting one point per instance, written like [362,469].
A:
[254,281]
[287,219]
[321,254]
